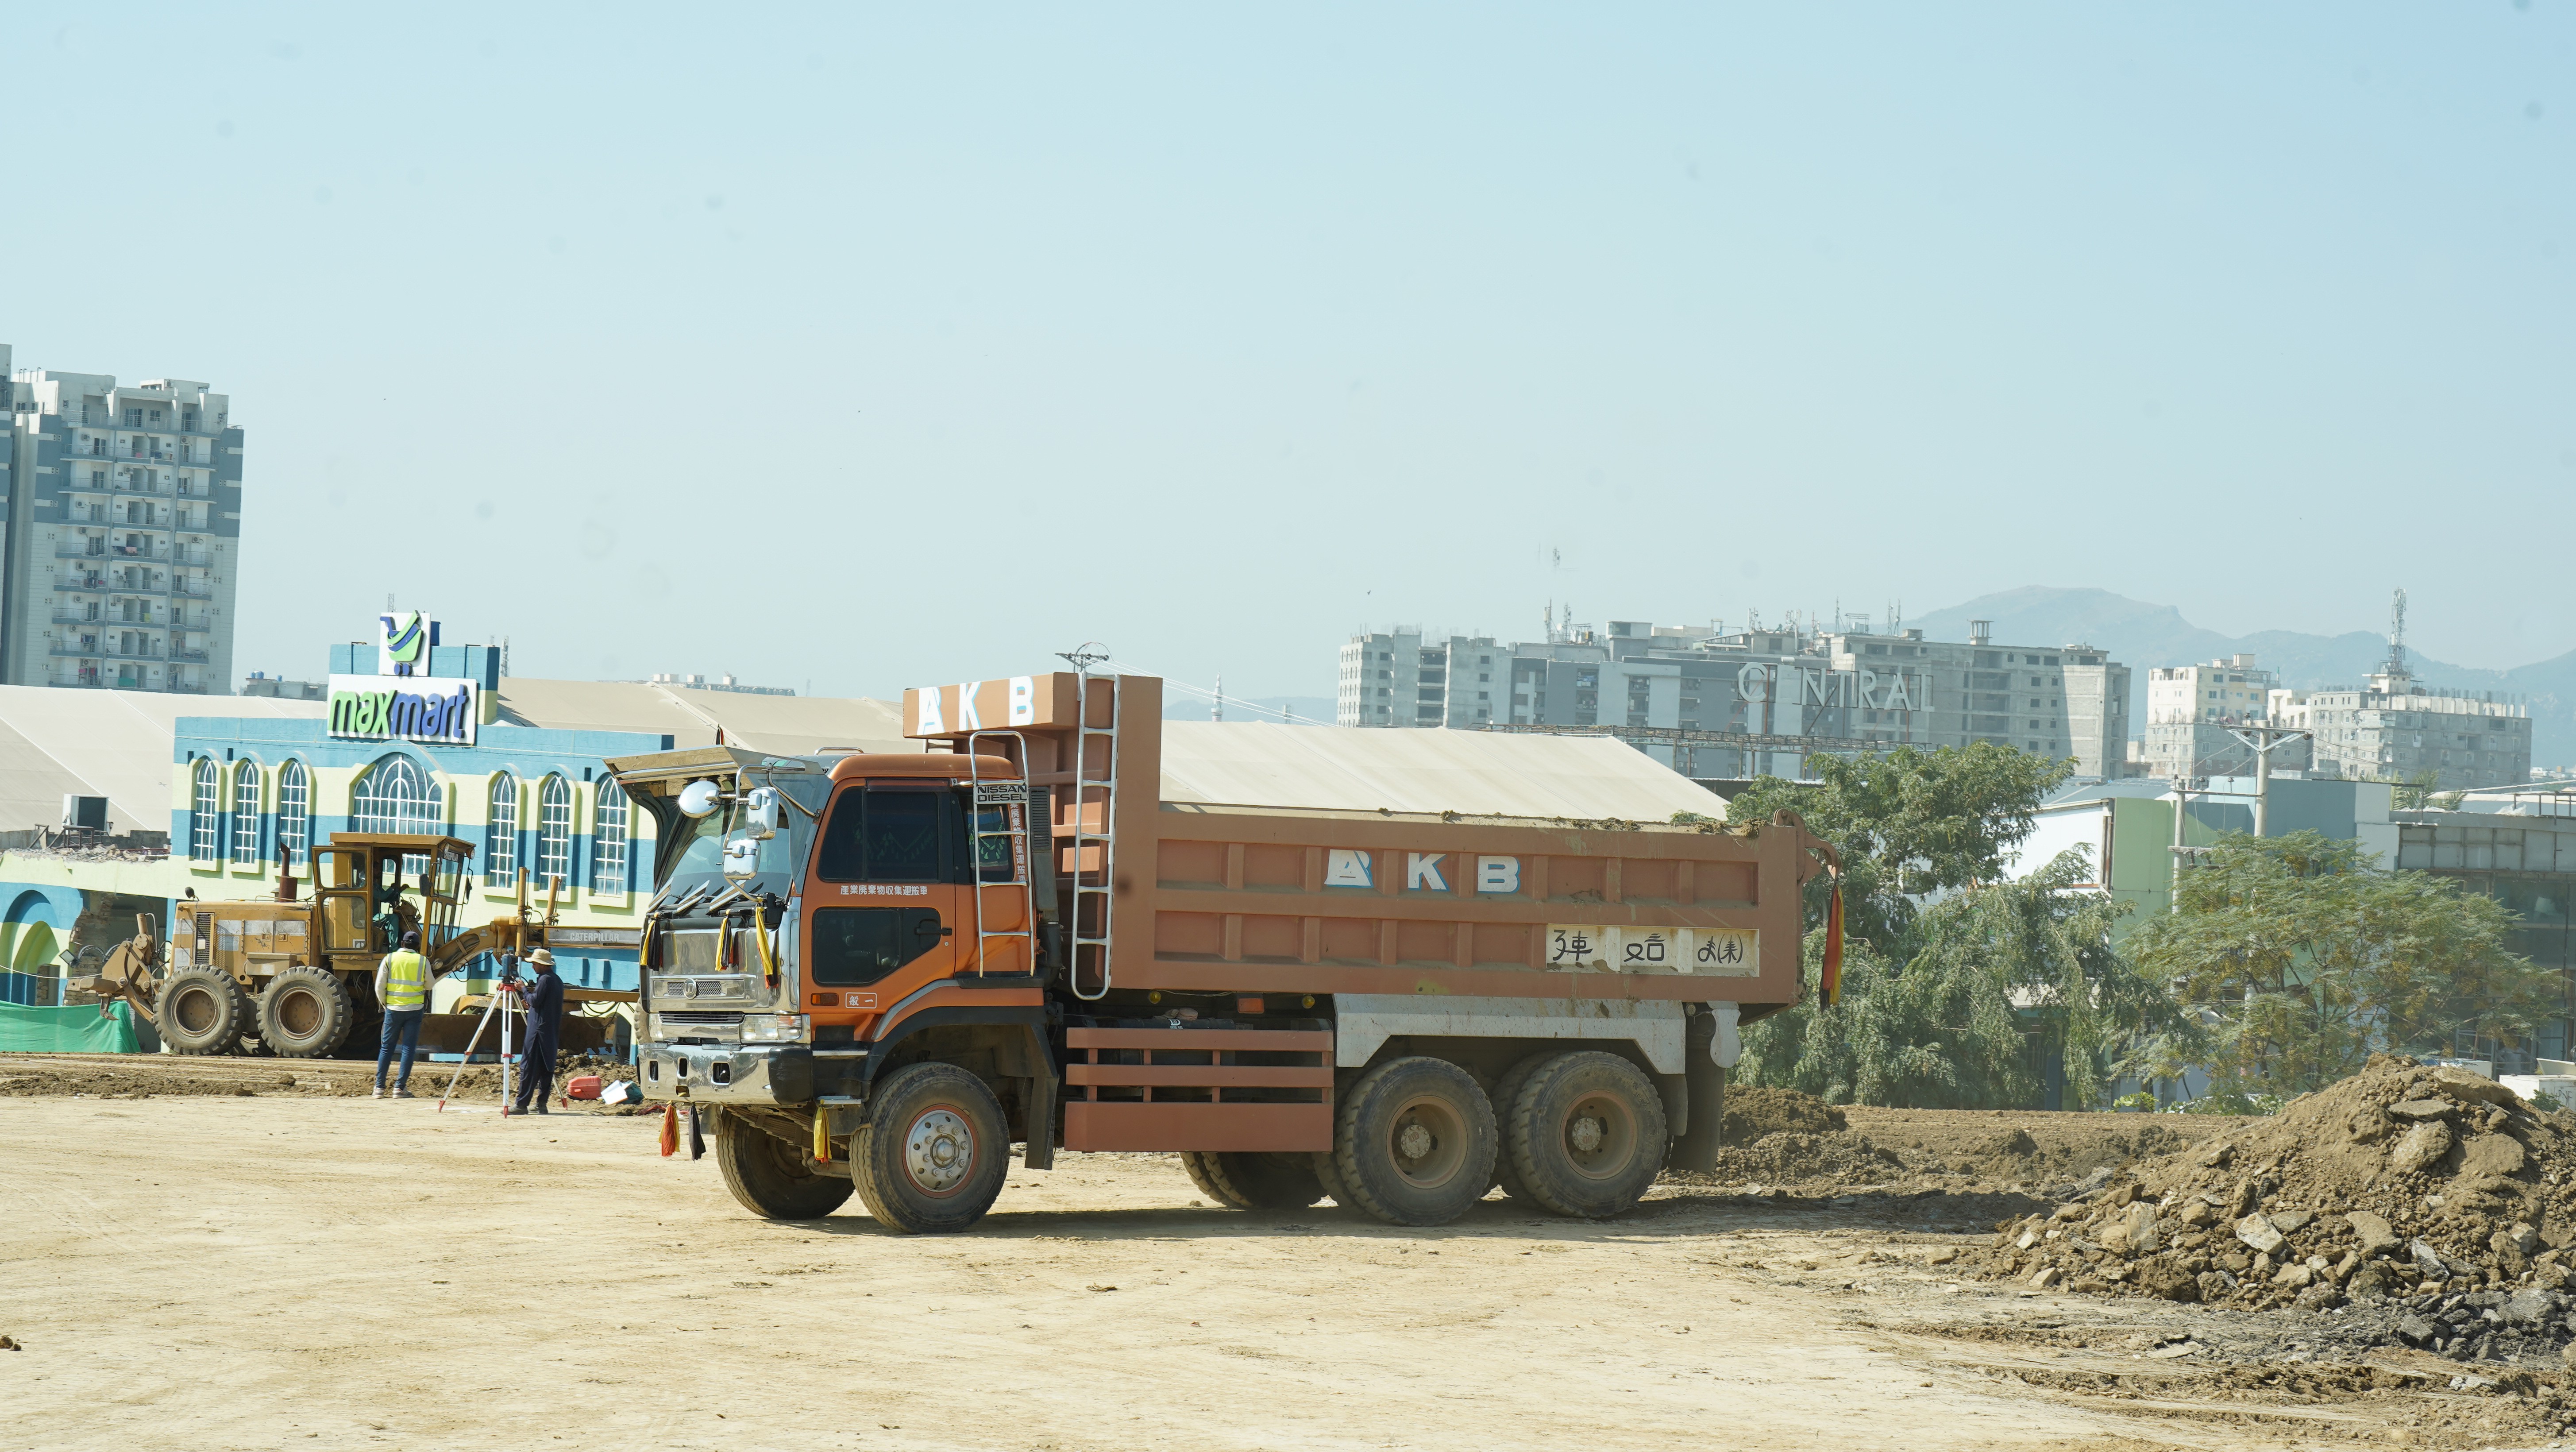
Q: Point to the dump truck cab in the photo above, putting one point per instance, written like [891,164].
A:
[819,912]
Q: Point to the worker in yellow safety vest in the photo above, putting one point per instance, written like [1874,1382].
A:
[402,986]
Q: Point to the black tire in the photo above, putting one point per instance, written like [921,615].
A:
[1200,1166]
[1414,1142]
[1586,1134]
[1243,1180]
[305,1013]
[773,1179]
[933,1155]
[202,1011]
[1506,1089]
[1328,1173]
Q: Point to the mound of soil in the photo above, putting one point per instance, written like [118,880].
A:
[1753,1113]
[2432,1206]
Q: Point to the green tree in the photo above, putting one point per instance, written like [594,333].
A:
[1909,824]
[2308,957]
[1949,1026]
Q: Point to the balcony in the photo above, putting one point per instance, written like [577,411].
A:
[195,589]
[196,656]
[102,651]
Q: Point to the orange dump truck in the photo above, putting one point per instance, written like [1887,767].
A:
[877,972]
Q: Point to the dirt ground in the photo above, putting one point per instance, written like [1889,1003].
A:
[202,1269]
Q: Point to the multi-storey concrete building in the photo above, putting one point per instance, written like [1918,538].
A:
[1400,678]
[2395,729]
[2191,710]
[1774,695]
[124,532]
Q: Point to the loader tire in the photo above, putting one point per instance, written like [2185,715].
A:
[772,1178]
[305,1013]
[1586,1134]
[1414,1141]
[1241,1180]
[202,1011]
[1507,1089]
[931,1158]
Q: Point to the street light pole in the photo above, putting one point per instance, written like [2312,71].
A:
[2264,740]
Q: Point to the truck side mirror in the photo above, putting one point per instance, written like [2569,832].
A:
[761,813]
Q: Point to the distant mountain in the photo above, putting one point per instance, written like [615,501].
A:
[2140,635]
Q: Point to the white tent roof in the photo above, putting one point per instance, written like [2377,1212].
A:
[784,725]
[116,744]
[1335,768]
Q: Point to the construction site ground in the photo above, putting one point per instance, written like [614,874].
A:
[246,1253]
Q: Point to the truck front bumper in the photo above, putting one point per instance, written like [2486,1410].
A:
[726,1073]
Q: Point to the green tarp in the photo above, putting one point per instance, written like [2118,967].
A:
[75,1030]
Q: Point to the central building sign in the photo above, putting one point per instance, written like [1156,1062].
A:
[404,708]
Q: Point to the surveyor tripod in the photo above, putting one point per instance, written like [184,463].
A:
[503,1003]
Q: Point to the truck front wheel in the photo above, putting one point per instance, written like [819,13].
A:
[1415,1142]
[934,1151]
[1585,1133]
[202,1011]
[772,1178]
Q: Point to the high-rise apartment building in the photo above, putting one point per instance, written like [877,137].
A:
[1674,686]
[1402,678]
[2191,710]
[124,534]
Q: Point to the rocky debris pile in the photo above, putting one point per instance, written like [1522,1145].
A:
[2434,1207]
[1753,1113]
[1790,1158]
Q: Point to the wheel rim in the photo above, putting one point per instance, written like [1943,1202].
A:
[939,1150]
[1427,1142]
[299,1013]
[195,1010]
[1600,1136]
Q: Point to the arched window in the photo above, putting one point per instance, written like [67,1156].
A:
[206,812]
[396,796]
[554,832]
[294,824]
[246,804]
[501,833]
[608,839]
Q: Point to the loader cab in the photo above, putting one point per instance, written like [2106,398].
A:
[372,887]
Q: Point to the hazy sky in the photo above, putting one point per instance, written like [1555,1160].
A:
[875,346]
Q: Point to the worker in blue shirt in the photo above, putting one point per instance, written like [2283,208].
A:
[544,998]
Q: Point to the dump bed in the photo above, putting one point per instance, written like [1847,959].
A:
[1478,896]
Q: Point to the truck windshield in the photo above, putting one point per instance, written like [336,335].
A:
[697,846]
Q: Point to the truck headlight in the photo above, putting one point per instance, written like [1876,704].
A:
[776,1028]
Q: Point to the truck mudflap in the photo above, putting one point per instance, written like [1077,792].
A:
[727,1074]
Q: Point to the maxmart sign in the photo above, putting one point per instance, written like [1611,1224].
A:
[405,708]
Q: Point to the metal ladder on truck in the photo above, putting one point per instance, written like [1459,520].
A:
[1010,800]
[1087,935]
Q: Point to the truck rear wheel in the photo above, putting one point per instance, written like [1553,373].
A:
[305,1013]
[202,1011]
[1328,1173]
[933,1154]
[1414,1142]
[1586,1135]
[1241,1180]
[772,1178]
[1507,1089]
